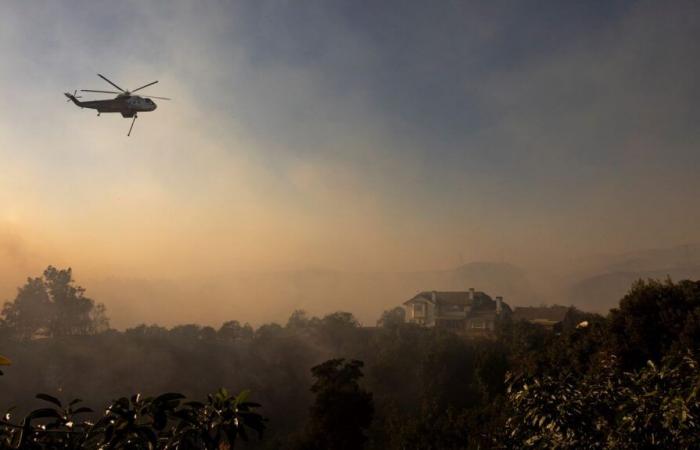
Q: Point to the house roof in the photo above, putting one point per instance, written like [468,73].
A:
[553,313]
[453,298]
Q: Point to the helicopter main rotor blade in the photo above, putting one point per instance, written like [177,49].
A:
[153,96]
[101,92]
[108,81]
[144,86]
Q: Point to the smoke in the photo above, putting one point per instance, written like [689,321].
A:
[17,261]
[345,138]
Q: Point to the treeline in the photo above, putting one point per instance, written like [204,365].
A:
[394,386]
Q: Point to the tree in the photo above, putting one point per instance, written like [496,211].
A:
[338,329]
[448,375]
[653,318]
[342,411]
[30,314]
[392,318]
[340,319]
[299,320]
[233,331]
[53,306]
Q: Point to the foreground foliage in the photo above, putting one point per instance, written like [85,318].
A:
[654,407]
[634,382]
[4,362]
[163,422]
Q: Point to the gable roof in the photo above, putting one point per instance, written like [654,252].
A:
[460,298]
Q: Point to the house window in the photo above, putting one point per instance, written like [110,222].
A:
[418,309]
[478,324]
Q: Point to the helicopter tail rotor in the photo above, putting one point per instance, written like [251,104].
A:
[72,96]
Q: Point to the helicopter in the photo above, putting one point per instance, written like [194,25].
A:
[125,102]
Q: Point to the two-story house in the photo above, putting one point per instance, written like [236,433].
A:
[464,311]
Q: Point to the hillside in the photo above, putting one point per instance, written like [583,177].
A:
[611,279]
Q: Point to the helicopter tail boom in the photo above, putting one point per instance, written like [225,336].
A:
[72,98]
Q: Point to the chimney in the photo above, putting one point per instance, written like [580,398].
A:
[433,296]
[471,294]
[499,305]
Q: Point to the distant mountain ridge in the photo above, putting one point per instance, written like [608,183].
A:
[603,290]
[261,297]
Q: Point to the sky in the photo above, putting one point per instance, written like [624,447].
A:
[346,135]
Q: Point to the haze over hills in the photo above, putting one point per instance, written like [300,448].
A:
[271,296]
[596,284]
[611,276]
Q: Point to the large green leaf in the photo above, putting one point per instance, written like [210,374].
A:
[50,399]
[44,413]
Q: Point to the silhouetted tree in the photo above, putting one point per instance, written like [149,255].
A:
[53,306]
[233,331]
[392,318]
[654,318]
[30,314]
[337,329]
[299,320]
[342,411]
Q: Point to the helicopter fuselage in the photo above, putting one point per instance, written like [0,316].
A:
[126,105]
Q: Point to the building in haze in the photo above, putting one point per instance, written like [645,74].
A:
[549,317]
[462,311]
[555,317]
